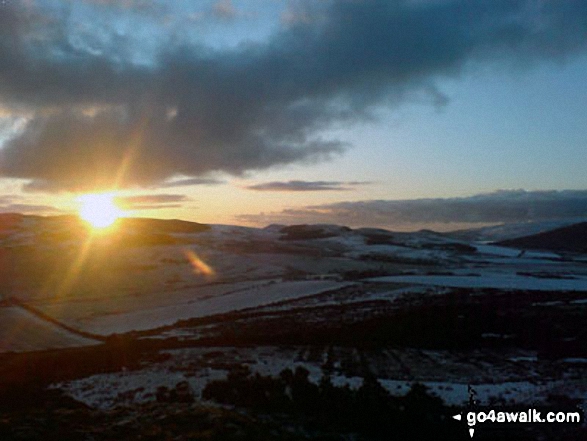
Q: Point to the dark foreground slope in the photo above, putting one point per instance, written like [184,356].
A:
[571,239]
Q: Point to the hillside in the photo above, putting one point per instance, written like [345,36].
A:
[148,323]
[572,238]
[509,231]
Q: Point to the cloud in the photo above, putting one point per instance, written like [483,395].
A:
[224,9]
[29,209]
[505,206]
[304,186]
[152,201]
[17,204]
[110,109]
[187,182]
[125,4]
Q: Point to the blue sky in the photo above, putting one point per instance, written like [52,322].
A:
[512,129]
[272,108]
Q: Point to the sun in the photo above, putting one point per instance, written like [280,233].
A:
[99,210]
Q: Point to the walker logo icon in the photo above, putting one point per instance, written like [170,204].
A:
[459,417]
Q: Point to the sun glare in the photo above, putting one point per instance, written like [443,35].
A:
[99,210]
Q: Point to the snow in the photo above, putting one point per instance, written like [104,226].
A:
[397,251]
[530,359]
[492,280]
[362,297]
[514,230]
[106,391]
[574,360]
[22,331]
[511,262]
[341,380]
[512,252]
[457,394]
[198,366]
[249,297]
[266,361]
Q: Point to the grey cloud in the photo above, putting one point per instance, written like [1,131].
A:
[18,204]
[29,209]
[152,201]
[187,182]
[304,186]
[452,213]
[7,198]
[147,7]
[101,119]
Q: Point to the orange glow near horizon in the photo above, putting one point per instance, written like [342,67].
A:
[99,210]
[199,266]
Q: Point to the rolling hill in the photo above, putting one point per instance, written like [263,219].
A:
[572,238]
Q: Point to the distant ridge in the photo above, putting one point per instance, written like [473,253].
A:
[129,231]
[163,225]
[572,238]
[509,231]
[10,221]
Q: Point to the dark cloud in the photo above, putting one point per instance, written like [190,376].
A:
[492,208]
[152,201]
[99,118]
[304,186]
[187,182]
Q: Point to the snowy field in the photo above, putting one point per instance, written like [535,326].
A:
[198,366]
[521,392]
[492,280]
[313,283]
[512,252]
[21,331]
[144,288]
[105,316]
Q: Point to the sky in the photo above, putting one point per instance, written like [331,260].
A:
[402,114]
